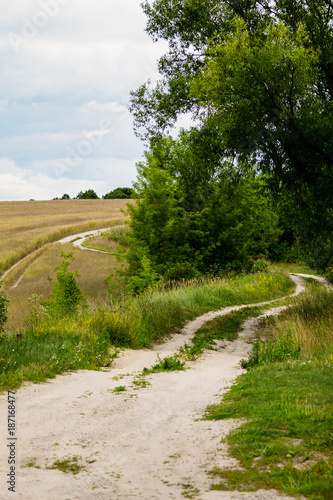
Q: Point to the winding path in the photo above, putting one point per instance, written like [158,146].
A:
[144,443]
[77,239]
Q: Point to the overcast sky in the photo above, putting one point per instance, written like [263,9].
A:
[67,68]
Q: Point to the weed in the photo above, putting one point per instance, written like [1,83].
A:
[168,364]
[140,383]
[189,491]
[68,465]
[120,388]
[32,464]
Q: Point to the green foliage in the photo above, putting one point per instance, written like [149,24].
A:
[258,77]
[66,295]
[65,197]
[120,388]
[69,465]
[87,195]
[167,364]
[4,301]
[190,220]
[120,193]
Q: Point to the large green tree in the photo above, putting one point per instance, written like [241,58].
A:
[188,221]
[259,77]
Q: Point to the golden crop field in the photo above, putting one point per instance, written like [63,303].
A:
[28,225]
[93,268]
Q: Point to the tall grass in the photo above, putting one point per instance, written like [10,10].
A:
[142,320]
[309,325]
[135,322]
[304,331]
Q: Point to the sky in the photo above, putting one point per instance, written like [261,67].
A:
[67,68]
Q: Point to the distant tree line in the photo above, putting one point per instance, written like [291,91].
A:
[90,194]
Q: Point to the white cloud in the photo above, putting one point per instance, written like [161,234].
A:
[67,72]
[102,175]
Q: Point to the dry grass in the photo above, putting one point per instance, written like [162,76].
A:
[308,325]
[28,225]
[101,243]
[93,268]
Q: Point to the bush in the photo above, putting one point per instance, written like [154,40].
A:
[4,301]
[66,295]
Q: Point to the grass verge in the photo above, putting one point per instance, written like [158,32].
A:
[287,399]
[141,321]
[220,328]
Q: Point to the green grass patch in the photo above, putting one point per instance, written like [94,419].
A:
[120,388]
[220,328]
[69,465]
[168,364]
[287,443]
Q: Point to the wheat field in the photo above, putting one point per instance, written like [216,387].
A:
[28,225]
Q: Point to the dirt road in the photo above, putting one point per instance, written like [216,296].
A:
[145,442]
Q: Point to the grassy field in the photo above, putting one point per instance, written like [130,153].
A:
[28,225]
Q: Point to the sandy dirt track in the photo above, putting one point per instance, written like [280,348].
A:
[144,443]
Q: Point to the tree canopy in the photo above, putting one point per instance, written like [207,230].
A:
[87,195]
[258,78]
[120,193]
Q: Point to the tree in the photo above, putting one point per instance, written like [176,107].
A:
[187,222]
[87,195]
[260,75]
[65,197]
[120,193]
[66,295]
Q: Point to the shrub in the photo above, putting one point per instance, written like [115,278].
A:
[4,301]
[66,295]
